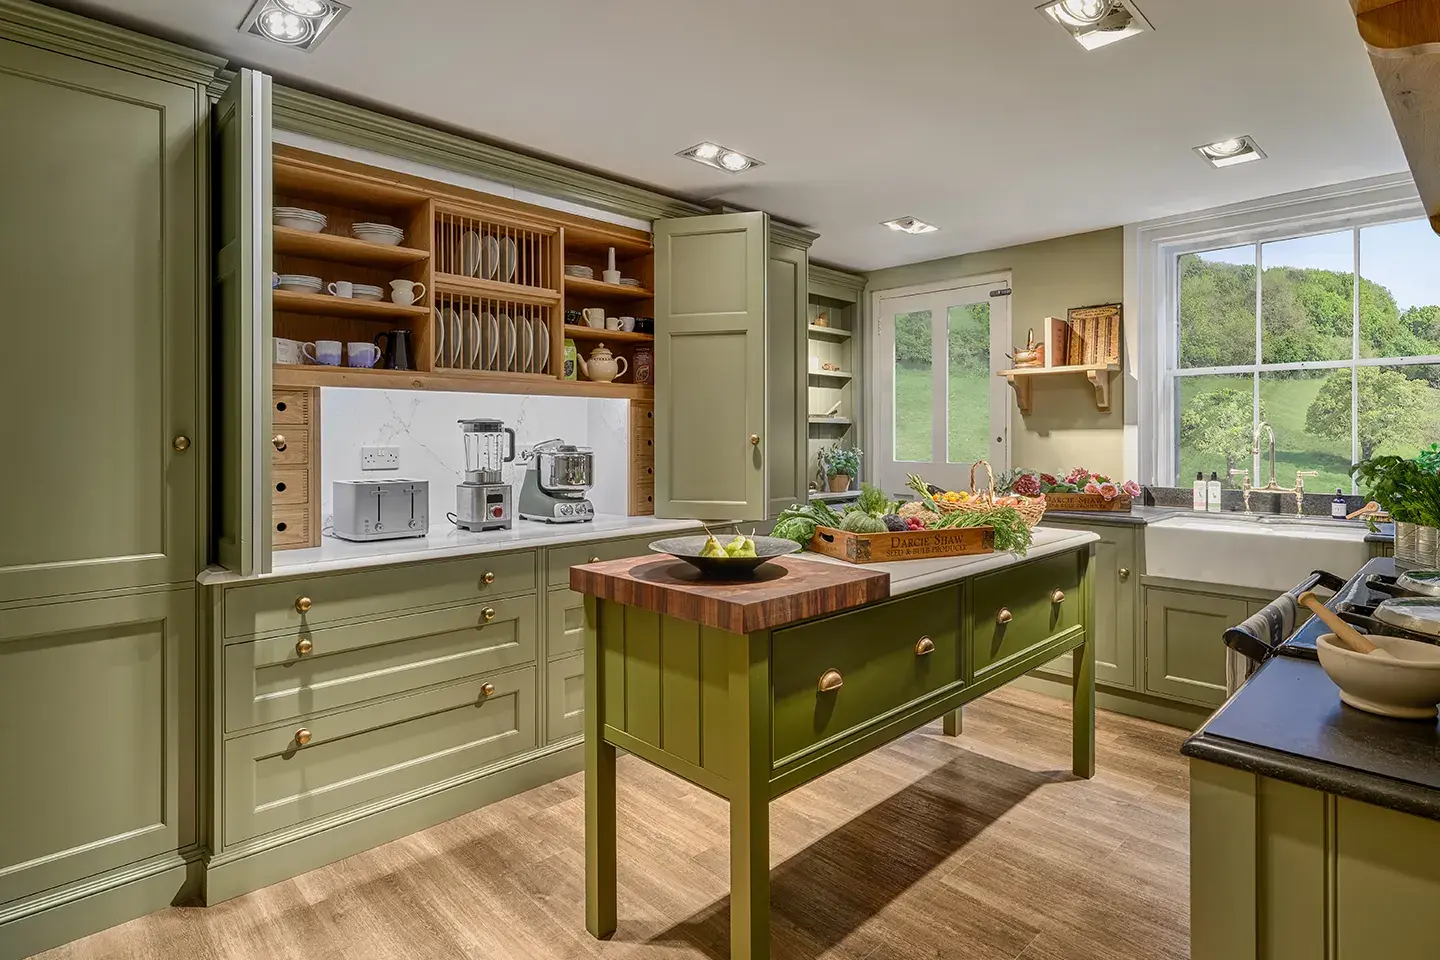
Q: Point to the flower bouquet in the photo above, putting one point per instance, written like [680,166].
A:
[1080,490]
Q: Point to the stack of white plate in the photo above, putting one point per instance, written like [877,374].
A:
[579,270]
[629,282]
[299,283]
[364,291]
[298,218]
[378,233]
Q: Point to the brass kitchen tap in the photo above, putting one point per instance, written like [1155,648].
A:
[1272,486]
[1299,490]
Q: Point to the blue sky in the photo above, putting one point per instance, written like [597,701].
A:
[1405,257]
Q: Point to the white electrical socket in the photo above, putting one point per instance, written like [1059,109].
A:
[379,458]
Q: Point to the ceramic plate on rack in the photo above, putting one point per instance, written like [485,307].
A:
[543,342]
[456,336]
[439,338]
[489,258]
[507,343]
[492,351]
[527,345]
[472,339]
[509,259]
[469,253]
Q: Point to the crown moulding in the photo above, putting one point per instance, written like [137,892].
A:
[104,43]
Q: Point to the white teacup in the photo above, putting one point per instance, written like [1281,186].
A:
[627,324]
[362,353]
[594,317]
[342,288]
[612,323]
[288,351]
[404,292]
[327,352]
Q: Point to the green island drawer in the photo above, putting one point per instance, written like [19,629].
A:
[1032,594]
[372,752]
[294,674]
[565,698]
[887,656]
[561,559]
[288,605]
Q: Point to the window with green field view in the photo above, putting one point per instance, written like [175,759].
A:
[1333,340]
[967,368]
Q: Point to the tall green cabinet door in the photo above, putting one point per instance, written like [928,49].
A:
[711,435]
[243,323]
[786,386]
[100,262]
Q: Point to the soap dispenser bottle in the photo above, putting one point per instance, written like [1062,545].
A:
[1339,507]
[1198,497]
[1213,493]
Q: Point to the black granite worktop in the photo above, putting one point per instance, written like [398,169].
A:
[1138,516]
[1287,722]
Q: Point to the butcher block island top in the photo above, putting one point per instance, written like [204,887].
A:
[751,688]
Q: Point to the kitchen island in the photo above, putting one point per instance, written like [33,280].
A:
[751,689]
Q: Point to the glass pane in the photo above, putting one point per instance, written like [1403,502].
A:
[968,338]
[1217,424]
[1400,290]
[914,407]
[1399,409]
[1307,305]
[1310,413]
[1217,307]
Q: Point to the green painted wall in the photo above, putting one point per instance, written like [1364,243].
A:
[1048,277]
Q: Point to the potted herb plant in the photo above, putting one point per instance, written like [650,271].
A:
[841,466]
[1408,490]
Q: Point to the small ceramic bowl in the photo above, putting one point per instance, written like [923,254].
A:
[688,549]
[1407,686]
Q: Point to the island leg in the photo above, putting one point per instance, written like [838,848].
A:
[1082,681]
[600,849]
[953,723]
[750,797]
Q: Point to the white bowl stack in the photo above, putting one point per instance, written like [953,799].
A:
[298,218]
[299,283]
[579,270]
[381,233]
[364,291]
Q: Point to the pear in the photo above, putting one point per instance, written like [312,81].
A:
[736,547]
[712,548]
[747,546]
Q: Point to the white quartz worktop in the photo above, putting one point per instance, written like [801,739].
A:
[907,576]
[445,541]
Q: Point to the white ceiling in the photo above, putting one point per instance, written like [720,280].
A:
[977,115]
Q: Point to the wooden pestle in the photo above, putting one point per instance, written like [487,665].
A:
[1348,636]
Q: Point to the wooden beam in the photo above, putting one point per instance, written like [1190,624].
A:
[1398,24]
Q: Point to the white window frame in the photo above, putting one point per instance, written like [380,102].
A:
[1152,251]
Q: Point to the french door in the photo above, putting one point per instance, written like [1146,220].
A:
[938,404]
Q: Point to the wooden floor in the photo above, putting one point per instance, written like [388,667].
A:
[975,848]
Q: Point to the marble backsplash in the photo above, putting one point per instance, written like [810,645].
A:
[423,425]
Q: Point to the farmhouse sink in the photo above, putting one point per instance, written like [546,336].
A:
[1267,552]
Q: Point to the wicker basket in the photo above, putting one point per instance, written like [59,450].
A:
[1031,508]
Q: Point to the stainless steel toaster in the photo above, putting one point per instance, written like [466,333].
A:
[381,509]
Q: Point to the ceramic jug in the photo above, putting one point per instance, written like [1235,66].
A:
[603,366]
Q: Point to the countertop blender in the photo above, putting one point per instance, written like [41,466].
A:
[482,502]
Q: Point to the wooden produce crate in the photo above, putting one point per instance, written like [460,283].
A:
[1087,503]
[911,545]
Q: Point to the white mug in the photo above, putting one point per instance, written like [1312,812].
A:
[288,351]
[327,352]
[362,353]
[404,293]
[594,317]
[612,323]
[627,324]
[342,288]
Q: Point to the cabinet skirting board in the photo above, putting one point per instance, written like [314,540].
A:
[1170,712]
[279,856]
[96,903]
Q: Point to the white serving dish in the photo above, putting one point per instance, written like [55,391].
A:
[1406,684]
[298,218]
[381,233]
[363,291]
[300,283]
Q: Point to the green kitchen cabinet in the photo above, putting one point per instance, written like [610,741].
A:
[1184,649]
[1117,603]
[101,263]
[786,394]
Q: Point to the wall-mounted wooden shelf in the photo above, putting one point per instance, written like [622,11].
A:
[1022,378]
[577,331]
[828,333]
[327,306]
[832,374]
[291,375]
[328,246]
[600,290]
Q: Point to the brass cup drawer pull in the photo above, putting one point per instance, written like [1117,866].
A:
[305,647]
[488,614]
[594,559]
[489,577]
[1124,573]
[487,689]
[830,681]
[302,736]
[303,604]
[923,646]
[278,441]
[1057,596]
[181,444]
[1004,616]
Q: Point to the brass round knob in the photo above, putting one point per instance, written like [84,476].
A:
[278,441]
[754,439]
[302,736]
[487,689]
[594,559]
[1004,616]
[302,604]
[304,647]
[488,613]
[1124,573]
[1057,596]
[488,577]
[831,680]
[181,444]
[923,646]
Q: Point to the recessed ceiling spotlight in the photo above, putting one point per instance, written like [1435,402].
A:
[721,158]
[1096,23]
[1227,153]
[295,23]
[910,225]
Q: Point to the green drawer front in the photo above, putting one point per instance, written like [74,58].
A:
[564,623]
[272,607]
[875,651]
[565,698]
[270,680]
[374,752]
[1027,591]
[561,559]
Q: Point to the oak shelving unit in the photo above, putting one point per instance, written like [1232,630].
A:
[1021,379]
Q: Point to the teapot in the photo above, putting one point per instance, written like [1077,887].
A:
[603,366]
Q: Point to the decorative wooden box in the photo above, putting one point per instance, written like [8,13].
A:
[911,545]
[1087,503]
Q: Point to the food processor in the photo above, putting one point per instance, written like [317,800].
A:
[555,484]
[482,502]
